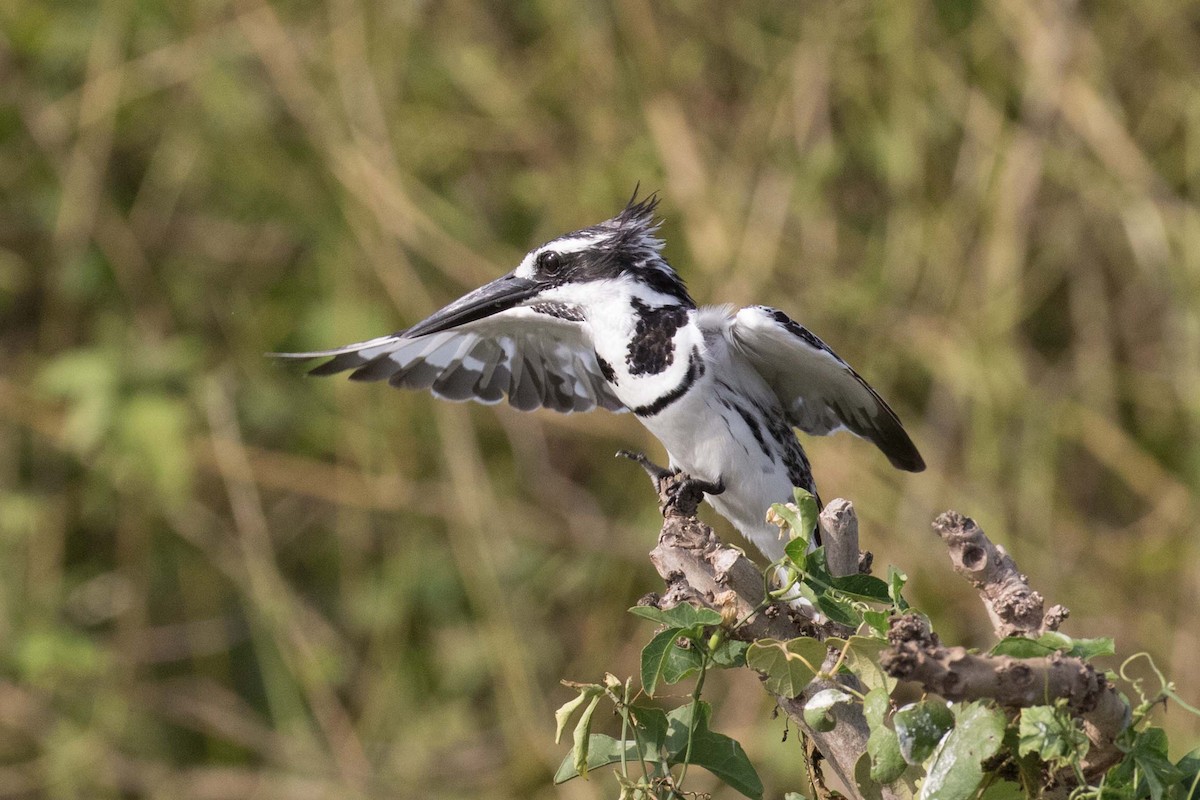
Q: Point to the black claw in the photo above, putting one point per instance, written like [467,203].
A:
[677,492]
[657,474]
[707,487]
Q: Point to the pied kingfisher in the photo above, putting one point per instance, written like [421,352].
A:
[598,318]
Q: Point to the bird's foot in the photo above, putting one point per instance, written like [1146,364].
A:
[657,474]
[678,492]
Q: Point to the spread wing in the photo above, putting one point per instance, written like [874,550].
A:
[820,392]
[533,358]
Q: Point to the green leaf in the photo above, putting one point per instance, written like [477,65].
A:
[1189,765]
[683,615]
[838,609]
[887,762]
[1053,642]
[883,747]
[834,604]
[715,752]
[896,581]
[725,758]
[679,723]
[1149,753]
[651,724]
[602,750]
[1003,790]
[807,504]
[798,544]
[921,727]
[582,739]
[817,709]
[1188,787]
[797,552]
[955,771]
[1051,735]
[817,571]
[878,620]
[789,666]
[868,787]
[1087,649]
[663,660]
[564,712]
[1029,767]
[862,659]
[730,653]
[1021,647]
[876,705]
[800,519]
[863,587]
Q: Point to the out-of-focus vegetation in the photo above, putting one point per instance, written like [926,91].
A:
[220,579]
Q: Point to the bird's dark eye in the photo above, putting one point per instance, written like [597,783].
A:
[549,262]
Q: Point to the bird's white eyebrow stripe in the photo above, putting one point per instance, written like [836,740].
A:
[574,244]
[564,245]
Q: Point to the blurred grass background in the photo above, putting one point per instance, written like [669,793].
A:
[220,579]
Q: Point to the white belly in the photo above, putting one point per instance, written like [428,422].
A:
[711,440]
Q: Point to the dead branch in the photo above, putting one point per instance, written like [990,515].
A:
[699,569]
[1015,608]
[915,654]
[839,534]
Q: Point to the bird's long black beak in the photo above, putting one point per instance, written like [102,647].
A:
[499,295]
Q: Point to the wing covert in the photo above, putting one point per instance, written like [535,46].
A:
[820,392]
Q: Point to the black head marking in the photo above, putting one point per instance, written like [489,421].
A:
[624,244]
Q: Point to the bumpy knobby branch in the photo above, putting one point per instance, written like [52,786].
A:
[839,534]
[915,653]
[701,570]
[1015,608]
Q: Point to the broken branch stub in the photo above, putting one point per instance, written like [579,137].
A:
[1014,607]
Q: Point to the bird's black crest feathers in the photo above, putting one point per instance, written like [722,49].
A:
[630,245]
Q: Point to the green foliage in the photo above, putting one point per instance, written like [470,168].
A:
[929,749]
[920,728]
[1054,642]
[1050,733]
[955,769]
[883,755]
[652,744]
[788,666]
[668,659]
[817,711]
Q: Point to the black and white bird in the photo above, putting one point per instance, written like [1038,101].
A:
[597,317]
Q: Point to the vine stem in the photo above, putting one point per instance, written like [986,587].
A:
[625,731]
[623,708]
[687,755]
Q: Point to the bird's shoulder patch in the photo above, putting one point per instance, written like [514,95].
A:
[795,329]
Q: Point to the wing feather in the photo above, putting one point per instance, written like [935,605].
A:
[535,360]
[820,392]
